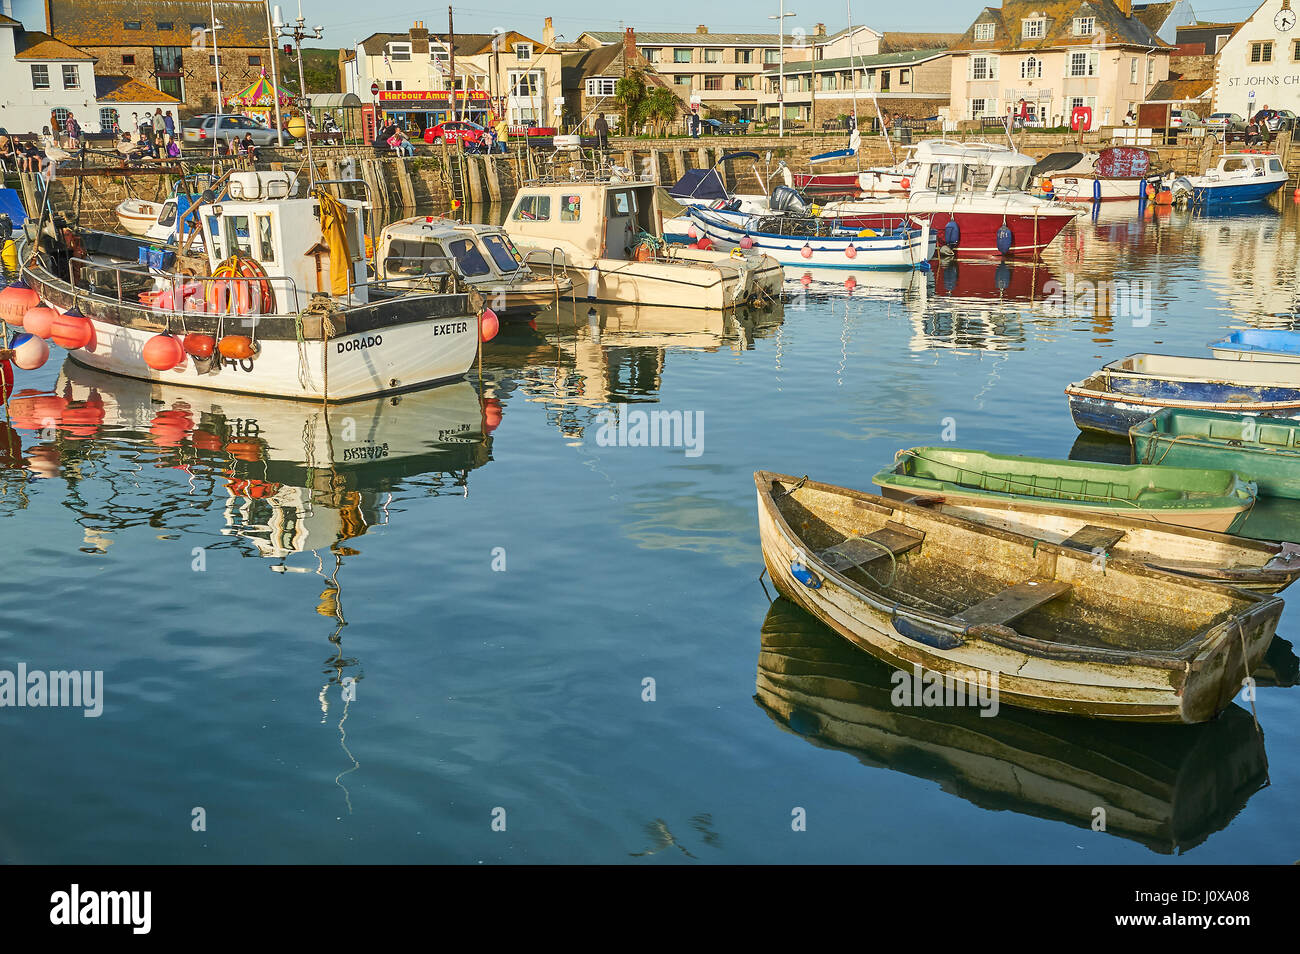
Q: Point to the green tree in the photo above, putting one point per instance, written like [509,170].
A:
[630,93]
[661,107]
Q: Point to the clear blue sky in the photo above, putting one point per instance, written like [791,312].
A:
[346,21]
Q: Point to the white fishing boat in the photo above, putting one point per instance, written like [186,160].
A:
[137,216]
[279,305]
[889,243]
[483,256]
[1117,173]
[606,233]
[1237,178]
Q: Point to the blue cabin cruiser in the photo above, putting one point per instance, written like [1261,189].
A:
[1237,178]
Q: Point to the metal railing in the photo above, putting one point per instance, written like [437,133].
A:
[174,283]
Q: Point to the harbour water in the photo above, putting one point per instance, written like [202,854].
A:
[496,622]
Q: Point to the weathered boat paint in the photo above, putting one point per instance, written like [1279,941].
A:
[1261,449]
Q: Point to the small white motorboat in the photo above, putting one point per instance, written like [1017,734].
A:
[137,216]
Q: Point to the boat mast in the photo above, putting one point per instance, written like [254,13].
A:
[853,81]
[298,32]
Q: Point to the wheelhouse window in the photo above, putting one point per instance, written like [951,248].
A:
[570,208]
[503,252]
[265,242]
[469,260]
[237,235]
[411,257]
[532,208]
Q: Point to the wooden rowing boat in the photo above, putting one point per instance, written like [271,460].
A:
[1258,344]
[1206,499]
[1167,787]
[1261,565]
[1126,392]
[973,604]
[1261,449]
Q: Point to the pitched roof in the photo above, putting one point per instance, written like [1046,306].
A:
[467,44]
[604,61]
[124,89]
[93,23]
[1179,91]
[905,58]
[9,22]
[1153,15]
[42,46]
[1118,30]
[693,39]
[897,42]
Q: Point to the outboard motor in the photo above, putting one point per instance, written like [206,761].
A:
[786,199]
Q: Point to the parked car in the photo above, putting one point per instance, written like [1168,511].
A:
[1226,122]
[205,128]
[1185,119]
[455,130]
[1276,120]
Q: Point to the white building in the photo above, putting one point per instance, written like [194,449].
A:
[42,77]
[1259,65]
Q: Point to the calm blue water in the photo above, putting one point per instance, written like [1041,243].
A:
[235,568]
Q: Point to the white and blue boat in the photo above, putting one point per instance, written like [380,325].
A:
[1237,178]
[893,242]
[1259,344]
[1126,392]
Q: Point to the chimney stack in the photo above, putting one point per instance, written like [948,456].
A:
[629,47]
[819,29]
[419,39]
[1125,7]
[548,32]
[701,29]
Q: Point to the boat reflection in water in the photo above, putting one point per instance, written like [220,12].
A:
[582,357]
[1168,787]
[295,475]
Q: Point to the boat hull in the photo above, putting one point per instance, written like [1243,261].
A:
[691,279]
[1089,189]
[137,216]
[1123,686]
[1262,450]
[977,229]
[880,252]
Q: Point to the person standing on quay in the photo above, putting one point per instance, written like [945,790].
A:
[602,133]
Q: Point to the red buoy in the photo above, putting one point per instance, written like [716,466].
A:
[488,325]
[16,301]
[40,321]
[163,352]
[200,346]
[72,330]
[237,347]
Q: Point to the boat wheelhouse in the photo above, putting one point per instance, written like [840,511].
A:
[1237,178]
[483,256]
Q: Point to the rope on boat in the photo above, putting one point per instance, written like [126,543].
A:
[325,309]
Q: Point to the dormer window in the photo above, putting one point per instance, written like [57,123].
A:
[983,31]
[1033,29]
[399,52]
[523,51]
[1085,26]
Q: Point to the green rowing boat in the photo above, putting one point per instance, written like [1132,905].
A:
[1265,450]
[1216,500]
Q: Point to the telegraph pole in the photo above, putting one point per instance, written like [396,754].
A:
[451,49]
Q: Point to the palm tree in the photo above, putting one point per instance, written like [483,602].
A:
[630,93]
[661,106]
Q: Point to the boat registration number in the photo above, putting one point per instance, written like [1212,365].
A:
[451,328]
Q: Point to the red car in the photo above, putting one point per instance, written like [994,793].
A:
[453,131]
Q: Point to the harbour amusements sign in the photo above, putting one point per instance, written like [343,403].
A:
[1259,65]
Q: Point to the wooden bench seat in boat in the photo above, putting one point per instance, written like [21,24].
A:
[1092,538]
[1003,609]
[894,539]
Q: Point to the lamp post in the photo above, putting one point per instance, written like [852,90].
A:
[216,68]
[780,57]
[297,32]
[275,74]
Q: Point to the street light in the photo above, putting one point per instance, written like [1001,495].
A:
[780,56]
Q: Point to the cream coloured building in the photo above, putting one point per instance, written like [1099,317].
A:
[1259,65]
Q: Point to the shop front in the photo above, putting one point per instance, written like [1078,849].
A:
[418,110]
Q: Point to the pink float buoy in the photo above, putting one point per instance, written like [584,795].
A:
[851,251]
[850,283]
[692,233]
[806,251]
[30,351]
[746,242]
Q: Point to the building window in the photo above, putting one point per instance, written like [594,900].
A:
[744,56]
[772,57]
[399,52]
[523,51]
[392,85]
[1261,52]
[713,82]
[682,80]
[1133,69]
[131,25]
[983,31]
[71,78]
[213,86]
[651,54]
[681,56]
[904,77]
[1083,64]
[40,77]
[1295,51]
[977,108]
[712,56]
[108,120]
[601,86]
[61,115]
[1033,29]
[1221,39]
[884,81]
[214,59]
[128,59]
[1085,26]
[526,85]
[744,82]
[1151,71]
[983,68]
[254,61]
[1031,68]
[165,25]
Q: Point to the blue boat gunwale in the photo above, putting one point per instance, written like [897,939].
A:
[875,241]
[1265,341]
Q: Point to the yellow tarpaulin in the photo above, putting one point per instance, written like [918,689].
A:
[334,233]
